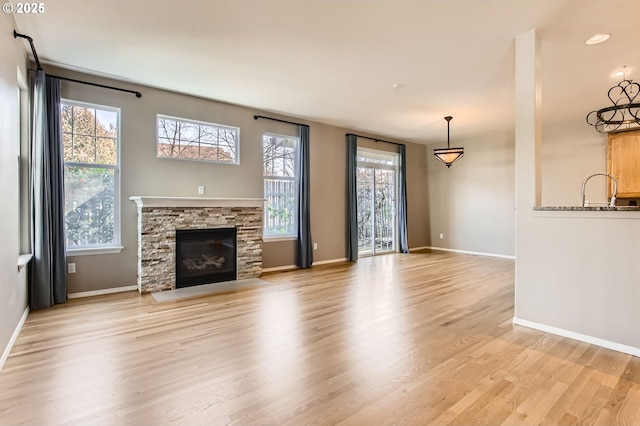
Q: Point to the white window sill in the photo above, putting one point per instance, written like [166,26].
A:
[96,250]
[23,260]
[282,238]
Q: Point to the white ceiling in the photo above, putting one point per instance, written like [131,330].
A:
[336,61]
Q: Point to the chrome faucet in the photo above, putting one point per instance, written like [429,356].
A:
[612,203]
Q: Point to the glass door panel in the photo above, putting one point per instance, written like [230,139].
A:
[376,196]
[365,217]
[384,210]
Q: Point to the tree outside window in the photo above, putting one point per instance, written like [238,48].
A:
[193,140]
[91,173]
[280,189]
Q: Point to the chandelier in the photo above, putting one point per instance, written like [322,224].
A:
[623,111]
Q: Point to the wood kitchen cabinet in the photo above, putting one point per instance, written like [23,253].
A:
[623,162]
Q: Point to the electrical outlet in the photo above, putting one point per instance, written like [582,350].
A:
[71,268]
[200,189]
[315,246]
[441,236]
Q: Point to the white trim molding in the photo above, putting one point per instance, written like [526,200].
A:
[72,252]
[23,260]
[101,292]
[474,253]
[276,238]
[291,267]
[578,336]
[279,268]
[14,336]
[326,262]
[144,201]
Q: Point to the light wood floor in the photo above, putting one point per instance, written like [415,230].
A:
[412,339]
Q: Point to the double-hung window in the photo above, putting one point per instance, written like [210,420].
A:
[91,135]
[280,154]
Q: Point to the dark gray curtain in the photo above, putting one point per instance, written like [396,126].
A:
[304,252]
[47,278]
[352,199]
[402,201]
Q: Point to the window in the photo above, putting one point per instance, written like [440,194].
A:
[193,140]
[23,165]
[91,136]
[280,189]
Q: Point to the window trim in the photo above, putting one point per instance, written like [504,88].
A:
[296,179]
[276,238]
[24,160]
[116,245]
[203,123]
[91,250]
[396,159]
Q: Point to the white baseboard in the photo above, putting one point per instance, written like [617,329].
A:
[101,292]
[14,336]
[280,268]
[418,248]
[290,267]
[475,253]
[578,336]
[326,262]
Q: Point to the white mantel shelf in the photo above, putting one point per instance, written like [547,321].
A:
[145,201]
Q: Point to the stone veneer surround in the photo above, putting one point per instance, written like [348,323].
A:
[159,217]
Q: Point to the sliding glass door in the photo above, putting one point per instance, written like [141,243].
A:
[377,194]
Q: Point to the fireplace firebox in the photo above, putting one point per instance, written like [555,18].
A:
[205,256]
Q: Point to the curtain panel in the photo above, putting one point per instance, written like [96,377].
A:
[352,199]
[47,273]
[304,252]
[403,236]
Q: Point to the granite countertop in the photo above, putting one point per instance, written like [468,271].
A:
[586,209]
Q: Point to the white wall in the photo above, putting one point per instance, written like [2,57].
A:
[577,273]
[571,151]
[13,290]
[472,202]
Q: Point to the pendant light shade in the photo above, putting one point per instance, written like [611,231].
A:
[448,155]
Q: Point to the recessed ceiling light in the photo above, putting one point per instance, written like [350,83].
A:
[398,86]
[597,39]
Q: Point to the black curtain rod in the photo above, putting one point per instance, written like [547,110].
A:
[255,117]
[375,140]
[35,56]
[33,48]
[88,83]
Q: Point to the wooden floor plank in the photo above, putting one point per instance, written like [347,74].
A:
[424,338]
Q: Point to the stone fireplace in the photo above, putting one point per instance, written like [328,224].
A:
[160,219]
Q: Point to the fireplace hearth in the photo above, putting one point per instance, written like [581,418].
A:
[205,256]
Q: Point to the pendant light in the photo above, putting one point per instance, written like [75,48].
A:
[448,155]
